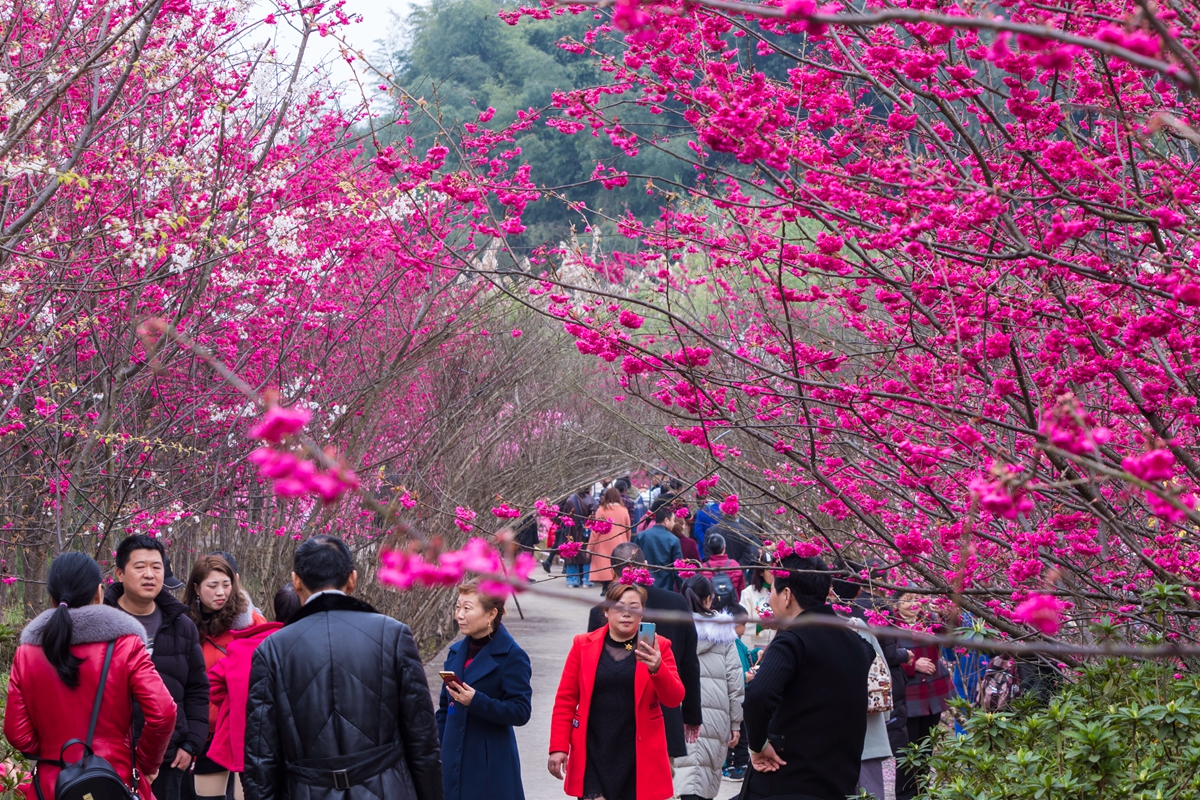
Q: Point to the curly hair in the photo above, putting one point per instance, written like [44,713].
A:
[213,624]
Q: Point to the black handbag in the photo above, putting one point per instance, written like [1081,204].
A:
[91,777]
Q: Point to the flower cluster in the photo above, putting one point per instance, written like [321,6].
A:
[1042,612]
[293,476]
[505,511]
[684,569]
[404,570]
[729,506]
[636,575]
[570,549]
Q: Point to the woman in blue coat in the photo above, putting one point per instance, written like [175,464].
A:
[477,712]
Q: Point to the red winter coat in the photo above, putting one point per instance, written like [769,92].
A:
[229,688]
[42,713]
[215,647]
[572,705]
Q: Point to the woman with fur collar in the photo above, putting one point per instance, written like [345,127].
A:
[56,678]
[222,611]
[698,774]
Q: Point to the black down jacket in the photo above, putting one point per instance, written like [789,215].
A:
[180,663]
[339,709]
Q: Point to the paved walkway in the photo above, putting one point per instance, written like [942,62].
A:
[545,634]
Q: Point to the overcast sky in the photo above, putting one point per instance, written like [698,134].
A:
[377,20]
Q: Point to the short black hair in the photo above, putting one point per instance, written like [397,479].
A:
[714,544]
[808,578]
[661,510]
[627,554]
[622,485]
[843,584]
[139,541]
[739,612]
[229,559]
[323,562]
[286,603]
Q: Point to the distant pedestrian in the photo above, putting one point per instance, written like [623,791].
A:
[174,644]
[623,486]
[222,613]
[339,707]
[876,748]
[611,509]
[707,516]
[661,547]
[477,713]
[718,562]
[55,680]
[682,530]
[606,732]
[722,685]
[927,693]
[230,680]
[737,758]
[575,511]
[682,721]
[756,599]
[286,604]
[806,708]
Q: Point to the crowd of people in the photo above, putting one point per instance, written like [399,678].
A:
[204,698]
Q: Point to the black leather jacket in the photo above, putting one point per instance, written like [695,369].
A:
[341,685]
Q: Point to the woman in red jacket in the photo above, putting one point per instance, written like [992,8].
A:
[222,613]
[56,676]
[229,687]
[607,726]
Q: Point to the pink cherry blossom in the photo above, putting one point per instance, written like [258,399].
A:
[1042,612]
[279,423]
[1155,465]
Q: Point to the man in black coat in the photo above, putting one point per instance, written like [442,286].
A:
[174,645]
[339,707]
[682,722]
[806,709]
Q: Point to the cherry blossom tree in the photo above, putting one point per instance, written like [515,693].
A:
[931,296]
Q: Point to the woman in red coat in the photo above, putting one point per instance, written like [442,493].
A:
[222,612]
[607,727]
[56,675]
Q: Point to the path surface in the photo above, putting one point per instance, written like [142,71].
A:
[545,634]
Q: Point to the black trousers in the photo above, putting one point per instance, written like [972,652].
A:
[168,785]
[738,756]
[908,780]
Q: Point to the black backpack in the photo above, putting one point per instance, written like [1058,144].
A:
[723,591]
[91,777]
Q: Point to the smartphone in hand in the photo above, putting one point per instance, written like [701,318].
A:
[449,678]
[646,633]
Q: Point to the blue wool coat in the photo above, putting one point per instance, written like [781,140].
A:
[479,748]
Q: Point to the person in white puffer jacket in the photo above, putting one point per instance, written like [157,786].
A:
[722,685]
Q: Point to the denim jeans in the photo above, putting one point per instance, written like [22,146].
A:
[577,574]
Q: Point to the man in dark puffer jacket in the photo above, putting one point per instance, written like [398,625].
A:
[339,707]
[174,645]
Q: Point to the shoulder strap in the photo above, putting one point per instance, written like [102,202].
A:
[108,654]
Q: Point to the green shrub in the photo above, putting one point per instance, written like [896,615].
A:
[1122,729]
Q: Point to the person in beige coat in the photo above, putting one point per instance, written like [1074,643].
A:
[722,685]
[612,508]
